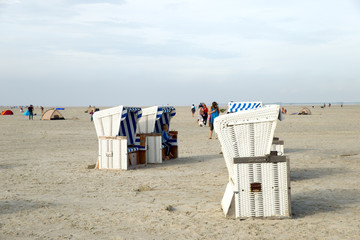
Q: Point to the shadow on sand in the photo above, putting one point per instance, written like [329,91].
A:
[186,160]
[13,206]
[297,150]
[323,200]
[299,174]
[10,165]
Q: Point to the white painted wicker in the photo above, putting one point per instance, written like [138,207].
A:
[250,134]
[271,199]
[246,134]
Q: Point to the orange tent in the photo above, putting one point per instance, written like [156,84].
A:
[7,112]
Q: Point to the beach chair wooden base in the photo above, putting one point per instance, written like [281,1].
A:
[141,157]
[132,159]
[136,158]
[113,154]
[261,188]
[174,147]
[153,147]
[173,151]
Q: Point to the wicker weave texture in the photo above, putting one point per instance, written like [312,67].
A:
[246,134]
[259,189]
[271,198]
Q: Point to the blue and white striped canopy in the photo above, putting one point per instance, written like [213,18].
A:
[241,106]
[126,110]
[167,109]
[163,116]
[129,119]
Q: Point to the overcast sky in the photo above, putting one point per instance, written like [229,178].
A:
[178,52]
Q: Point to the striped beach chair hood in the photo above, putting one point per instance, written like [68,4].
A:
[128,124]
[241,106]
[118,121]
[163,116]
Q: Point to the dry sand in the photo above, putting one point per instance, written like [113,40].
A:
[47,192]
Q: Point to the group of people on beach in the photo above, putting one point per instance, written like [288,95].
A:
[30,109]
[206,115]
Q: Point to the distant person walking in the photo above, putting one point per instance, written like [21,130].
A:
[31,112]
[193,110]
[42,110]
[91,115]
[201,118]
[205,113]
[214,113]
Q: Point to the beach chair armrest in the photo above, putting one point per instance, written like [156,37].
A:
[261,159]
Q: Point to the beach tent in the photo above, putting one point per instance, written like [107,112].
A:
[304,111]
[26,113]
[7,112]
[52,114]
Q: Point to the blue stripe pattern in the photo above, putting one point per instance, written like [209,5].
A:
[137,144]
[173,142]
[241,106]
[166,115]
[123,114]
[168,109]
[132,149]
[129,118]
[159,113]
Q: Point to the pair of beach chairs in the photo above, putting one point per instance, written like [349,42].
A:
[131,136]
[259,182]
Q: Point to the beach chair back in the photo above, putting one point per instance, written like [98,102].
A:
[154,117]
[147,121]
[118,121]
[107,122]
[128,124]
[246,133]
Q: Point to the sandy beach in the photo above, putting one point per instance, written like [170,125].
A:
[48,192]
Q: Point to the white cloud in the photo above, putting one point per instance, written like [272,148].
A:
[183,42]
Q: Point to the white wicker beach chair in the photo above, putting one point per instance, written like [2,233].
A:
[116,130]
[259,184]
[277,145]
[150,125]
